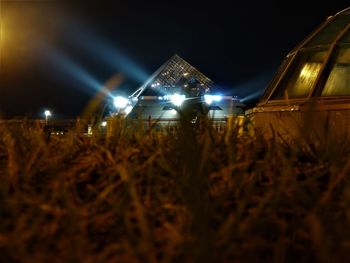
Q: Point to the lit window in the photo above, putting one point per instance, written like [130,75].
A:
[301,75]
[338,82]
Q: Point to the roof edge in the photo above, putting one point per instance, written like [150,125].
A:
[344,11]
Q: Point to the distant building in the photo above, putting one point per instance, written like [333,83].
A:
[177,87]
[312,86]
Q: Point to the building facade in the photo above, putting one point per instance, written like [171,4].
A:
[310,93]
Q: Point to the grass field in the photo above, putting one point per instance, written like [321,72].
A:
[193,195]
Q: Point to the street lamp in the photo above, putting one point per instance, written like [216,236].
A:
[47,114]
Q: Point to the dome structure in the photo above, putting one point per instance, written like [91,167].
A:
[314,77]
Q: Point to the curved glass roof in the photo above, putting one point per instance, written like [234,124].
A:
[319,67]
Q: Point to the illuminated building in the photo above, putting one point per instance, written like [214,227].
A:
[178,87]
[312,86]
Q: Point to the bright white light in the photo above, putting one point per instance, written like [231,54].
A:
[104,124]
[127,110]
[120,102]
[47,113]
[217,97]
[210,98]
[177,99]
[173,111]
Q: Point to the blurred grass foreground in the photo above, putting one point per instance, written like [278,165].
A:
[190,195]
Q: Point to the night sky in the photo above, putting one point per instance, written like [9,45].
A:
[57,54]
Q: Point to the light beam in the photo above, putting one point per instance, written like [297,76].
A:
[74,70]
[110,54]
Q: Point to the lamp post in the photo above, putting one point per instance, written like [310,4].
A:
[47,114]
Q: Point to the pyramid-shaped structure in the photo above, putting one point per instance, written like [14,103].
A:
[176,76]
[191,89]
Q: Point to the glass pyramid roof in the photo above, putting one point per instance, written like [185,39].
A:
[176,76]
[319,67]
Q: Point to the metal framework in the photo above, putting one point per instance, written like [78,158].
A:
[309,96]
[176,76]
[330,37]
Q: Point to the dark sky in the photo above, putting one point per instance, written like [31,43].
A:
[57,54]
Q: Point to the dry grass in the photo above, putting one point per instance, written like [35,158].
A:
[194,195]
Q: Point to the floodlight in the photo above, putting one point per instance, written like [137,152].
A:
[177,99]
[210,98]
[120,102]
[217,97]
